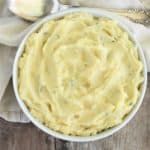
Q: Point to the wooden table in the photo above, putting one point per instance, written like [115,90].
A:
[135,136]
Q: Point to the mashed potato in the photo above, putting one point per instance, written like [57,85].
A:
[80,75]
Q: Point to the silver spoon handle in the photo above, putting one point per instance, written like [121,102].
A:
[141,16]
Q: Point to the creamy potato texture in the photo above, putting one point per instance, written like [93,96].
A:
[79,74]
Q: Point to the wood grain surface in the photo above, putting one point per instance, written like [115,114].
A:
[135,136]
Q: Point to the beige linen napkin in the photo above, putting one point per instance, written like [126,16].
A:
[13,29]
[106,3]
[9,108]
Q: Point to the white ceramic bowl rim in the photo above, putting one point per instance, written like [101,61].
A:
[108,132]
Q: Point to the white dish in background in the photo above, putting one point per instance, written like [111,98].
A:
[101,135]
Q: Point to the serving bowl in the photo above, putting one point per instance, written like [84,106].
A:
[101,135]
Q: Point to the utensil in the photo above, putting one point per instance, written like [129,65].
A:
[108,132]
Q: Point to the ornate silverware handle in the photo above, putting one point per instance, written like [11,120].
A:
[141,16]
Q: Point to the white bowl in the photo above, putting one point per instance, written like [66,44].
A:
[101,135]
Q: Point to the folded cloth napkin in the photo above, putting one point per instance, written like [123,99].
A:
[13,29]
[106,3]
